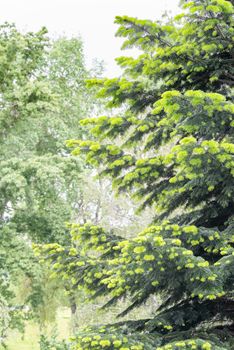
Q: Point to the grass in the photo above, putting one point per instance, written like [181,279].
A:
[30,340]
[88,313]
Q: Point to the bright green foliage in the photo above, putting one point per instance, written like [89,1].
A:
[152,260]
[115,340]
[108,338]
[172,148]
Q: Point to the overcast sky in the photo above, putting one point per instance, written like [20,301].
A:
[91,19]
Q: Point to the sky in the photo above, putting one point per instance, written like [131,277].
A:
[93,20]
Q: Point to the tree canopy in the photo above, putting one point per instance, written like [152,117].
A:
[43,95]
[42,186]
[172,148]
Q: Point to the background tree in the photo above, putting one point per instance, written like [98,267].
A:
[40,182]
[176,155]
[43,96]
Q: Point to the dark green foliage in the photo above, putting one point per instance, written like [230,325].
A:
[172,148]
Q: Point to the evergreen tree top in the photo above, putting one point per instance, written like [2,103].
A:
[172,146]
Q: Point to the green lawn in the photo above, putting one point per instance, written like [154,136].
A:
[32,334]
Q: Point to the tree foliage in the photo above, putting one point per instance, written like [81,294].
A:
[176,154]
[43,95]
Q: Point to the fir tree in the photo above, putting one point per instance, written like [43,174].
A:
[172,148]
